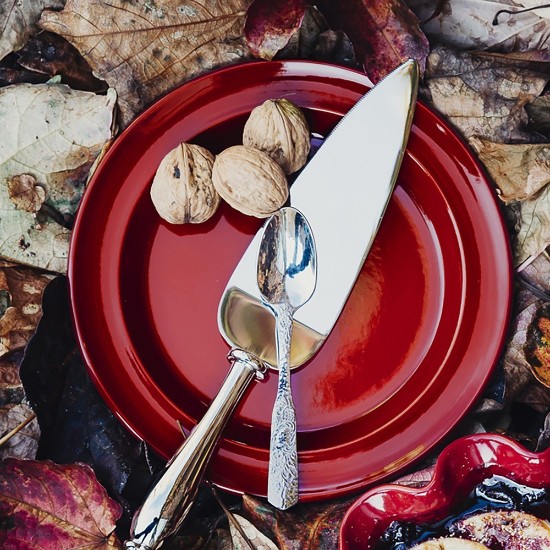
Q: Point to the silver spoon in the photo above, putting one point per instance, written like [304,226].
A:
[287,275]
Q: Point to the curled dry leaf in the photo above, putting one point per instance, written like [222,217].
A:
[482,99]
[25,193]
[63,507]
[420,478]
[384,33]
[23,288]
[469,24]
[534,229]
[258,540]
[144,49]
[537,345]
[55,134]
[18,21]
[539,115]
[271,23]
[24,443]
[518,170]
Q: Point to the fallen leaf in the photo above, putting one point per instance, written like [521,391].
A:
[50,54]
[516,367]
[384,33]
[303,527]
[75,423]
[259,540]
[18,21]
[481,99]
[56,507]
[25,193]
[22,289]
[54,134]
[271,23]
[518,170]
[537,345]
[420,478]
[24,443]
[470,24]
[144,49]
[544,437]
[539,115]
[537,275]
[534,230]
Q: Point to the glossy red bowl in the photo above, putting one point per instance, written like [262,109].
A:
[462,466]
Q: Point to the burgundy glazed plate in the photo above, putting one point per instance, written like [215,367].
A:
[462,466]
[410,353]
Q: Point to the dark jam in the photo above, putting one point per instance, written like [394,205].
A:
[495,493]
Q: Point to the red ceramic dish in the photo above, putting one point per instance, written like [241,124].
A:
[410,353]
[464,464]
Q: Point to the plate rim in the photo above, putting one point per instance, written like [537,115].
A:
[305,67]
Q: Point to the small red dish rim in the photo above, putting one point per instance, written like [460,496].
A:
[461,466]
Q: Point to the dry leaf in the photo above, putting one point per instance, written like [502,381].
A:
[539,114]
[24,443]
[259,540]
[54,134]
[519,171]
[18,21]
[384,33]
[537,345]
[62,507]
[537,273]
[482,99]
[303,527]
[22,288]
[144,49]
[468,24]
[420,478]
[25,193]
[534,230]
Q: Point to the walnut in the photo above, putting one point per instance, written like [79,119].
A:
[250,181]
[279,128]
[182,190]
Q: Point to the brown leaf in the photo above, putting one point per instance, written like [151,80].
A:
[539,114]
[23,288]
[50,54]
[481,99]
[519,171]
[25,193]
[537,274]
[420,478]
[270,25]
[303,527]
[384,33]
[534,230]
[24,443]
[544,438]
[18,19]
[537,345]
[144,49]
[63,507]
[258,540]
[469,24]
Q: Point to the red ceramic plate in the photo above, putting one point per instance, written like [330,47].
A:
[462,466]
[414,345]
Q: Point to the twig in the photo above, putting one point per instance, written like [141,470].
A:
[4,439]
[230,516]
[516,12]
[532,288]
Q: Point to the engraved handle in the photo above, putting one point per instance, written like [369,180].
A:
[282,486]
[170,500]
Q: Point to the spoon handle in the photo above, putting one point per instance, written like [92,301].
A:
[282,486]
[171,498]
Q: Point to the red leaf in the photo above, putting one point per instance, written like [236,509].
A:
[271,23]
[46,506]
[384,33]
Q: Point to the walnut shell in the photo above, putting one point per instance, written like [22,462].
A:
[250,181]
[182,189]
[279,128]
